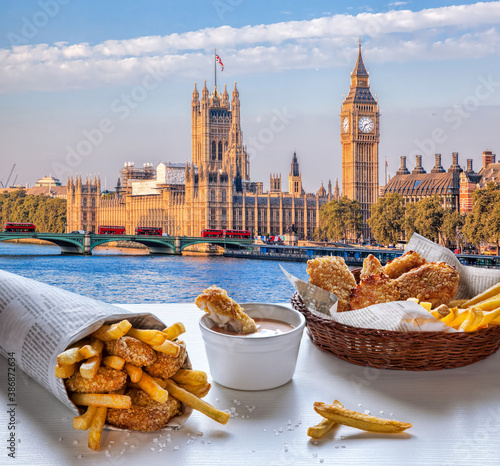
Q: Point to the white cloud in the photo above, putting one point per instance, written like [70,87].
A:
[454,32]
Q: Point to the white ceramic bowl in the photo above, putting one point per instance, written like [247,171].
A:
[260,363]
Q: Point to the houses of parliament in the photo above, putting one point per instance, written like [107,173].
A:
[214,189]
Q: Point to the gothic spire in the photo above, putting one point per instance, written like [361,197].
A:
[359,69]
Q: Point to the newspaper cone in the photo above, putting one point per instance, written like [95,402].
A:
[39,321]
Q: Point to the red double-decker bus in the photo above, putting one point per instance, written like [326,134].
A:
[213,233]
[111,230]
[19,227]
[152,231]
[236,234]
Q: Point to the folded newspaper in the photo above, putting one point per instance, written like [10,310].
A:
[405,316]
[39,321]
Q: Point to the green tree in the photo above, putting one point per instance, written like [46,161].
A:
[429,217]
[47,213]
[410,219]
[339,220]
[451,226]
[387,218]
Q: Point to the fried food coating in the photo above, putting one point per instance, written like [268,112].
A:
[408,261]
[145,414]
[371,266]
[332,274]
[374,289]
[434,282]
[165,365]
[224,311]
[106,380]
[132,350]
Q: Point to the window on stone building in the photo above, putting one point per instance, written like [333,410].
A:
[223,195]
[214,155]
[220,151]
[84,202]
[223,214]
[212,195]
[93,202]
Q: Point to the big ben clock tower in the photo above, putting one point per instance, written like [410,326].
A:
[359,129]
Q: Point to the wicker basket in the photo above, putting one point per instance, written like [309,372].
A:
[412,351]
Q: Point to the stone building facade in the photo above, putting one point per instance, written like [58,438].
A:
[419,184]
[214,190]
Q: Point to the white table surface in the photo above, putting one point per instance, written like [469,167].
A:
[455,415]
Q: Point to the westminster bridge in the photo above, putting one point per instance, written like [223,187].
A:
[79,243]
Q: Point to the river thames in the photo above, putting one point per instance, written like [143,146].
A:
[132,276]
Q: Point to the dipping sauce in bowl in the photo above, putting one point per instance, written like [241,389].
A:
[265,327]
[257,361]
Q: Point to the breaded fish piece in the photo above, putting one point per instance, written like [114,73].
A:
[332,274]
[106,380]
[132,350]
[371,266]
[374,289]
[146,414]
[408,261]
[224,311]
[434,282]
[165,365]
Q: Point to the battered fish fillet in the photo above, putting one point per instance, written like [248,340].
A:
[166,366]
[332,274]
[132,350]
[408,261]
[374,289]
[145,414]
[371,266]
[434,282]
[224,311]
[106,380]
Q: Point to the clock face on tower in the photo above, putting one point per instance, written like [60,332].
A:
[365,124]
[345,124]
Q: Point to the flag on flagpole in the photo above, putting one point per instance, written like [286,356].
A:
[217,58]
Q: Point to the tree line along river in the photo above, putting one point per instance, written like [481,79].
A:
[133,276]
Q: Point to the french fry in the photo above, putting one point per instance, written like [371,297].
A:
[489,304]
[174,330]
[489,293]
[114,331]
[160,382]
[199,390]
[187,376]
[150,337]
[473,320]
[490,317]
[96,428]
[350,418]
[426,305]
[458,320]
[115,362]
[168,347]
[134,372]
[83,422]
[450,317]
[64,372]
[94,348]
[152,388]
[195,403]
[89,368]
[102,400]
[325,426]
[70,356]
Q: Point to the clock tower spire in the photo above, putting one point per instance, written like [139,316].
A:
[359,120]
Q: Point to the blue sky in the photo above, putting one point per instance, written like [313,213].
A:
[88,85]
